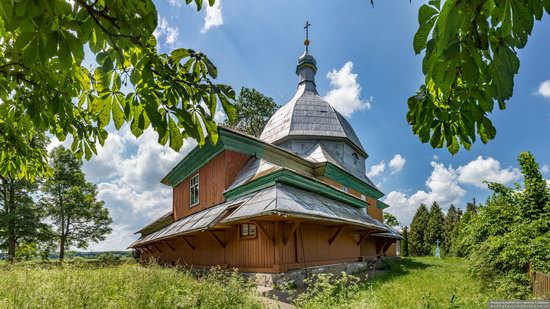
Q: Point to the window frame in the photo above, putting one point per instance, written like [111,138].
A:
[248,235]
[191,187]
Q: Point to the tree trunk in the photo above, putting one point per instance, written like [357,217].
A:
[63,235]
[10,207]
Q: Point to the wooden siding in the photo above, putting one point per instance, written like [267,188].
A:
[214,178]
[307,246]
[372,210]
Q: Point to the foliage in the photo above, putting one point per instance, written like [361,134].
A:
[425,282]
[70,200]
[45,87]
[451,230]
[83,285]
[417,244]
[326,291]
[390,219]
[20,217]
[253,111]
[510,231]
[434,229]
[405,251]
[469,65]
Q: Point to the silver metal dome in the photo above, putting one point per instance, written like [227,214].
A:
[307,115]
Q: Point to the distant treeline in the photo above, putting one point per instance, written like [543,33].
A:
[85,254]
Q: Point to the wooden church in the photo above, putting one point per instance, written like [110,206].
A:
[297,197]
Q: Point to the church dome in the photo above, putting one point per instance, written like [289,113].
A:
[308,116]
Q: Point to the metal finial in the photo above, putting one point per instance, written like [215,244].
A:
[306,41]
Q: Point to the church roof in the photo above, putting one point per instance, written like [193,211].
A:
[281,199]
[308,115]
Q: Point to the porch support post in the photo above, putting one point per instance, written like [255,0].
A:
[292,229]
[336,234]
[217,238]
[363,237]
[188,242]
[169,245]
[386,247]
[261,228]
[157,247]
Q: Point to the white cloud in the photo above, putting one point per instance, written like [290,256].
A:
[445,186]
[376,169]
[128,173]
[345,92]
[545,169]
[442,186]
[397,163]
[176,3]
[544,89]
[213,16]
[481,169]
[169,33]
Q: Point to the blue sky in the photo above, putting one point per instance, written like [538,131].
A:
[373,71]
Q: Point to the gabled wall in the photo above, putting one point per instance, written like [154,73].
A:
[214,177]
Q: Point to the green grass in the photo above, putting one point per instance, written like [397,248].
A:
[409,283]
[121,286]
[413,283]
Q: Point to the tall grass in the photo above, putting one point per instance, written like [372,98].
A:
[121,286]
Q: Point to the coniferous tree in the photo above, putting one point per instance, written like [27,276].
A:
[434,230]
[417,245]
[405,242]
[452,220]
[78,217]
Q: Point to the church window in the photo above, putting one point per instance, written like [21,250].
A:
[248,230]
[194,190]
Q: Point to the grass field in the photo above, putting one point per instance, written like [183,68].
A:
[121,286]
[415,283]
[409,283]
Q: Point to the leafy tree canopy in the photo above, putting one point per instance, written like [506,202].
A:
[390,219]
[469,65]
[511,231]
[253,111]
[77,215]
[44,86]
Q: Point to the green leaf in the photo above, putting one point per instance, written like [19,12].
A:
[421,36]
[425,13]
[176,138]
[118,115]
[177,55]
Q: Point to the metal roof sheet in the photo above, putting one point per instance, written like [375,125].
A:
[198,221]
[307,114]
[288,200]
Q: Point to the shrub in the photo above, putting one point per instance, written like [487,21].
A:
[327,291]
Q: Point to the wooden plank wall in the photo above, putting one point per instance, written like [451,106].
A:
[307,247]
[214,177]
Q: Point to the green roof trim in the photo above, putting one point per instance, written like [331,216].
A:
[350,181]
[233,141]
[381,205]
[193,161]
[292,178]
